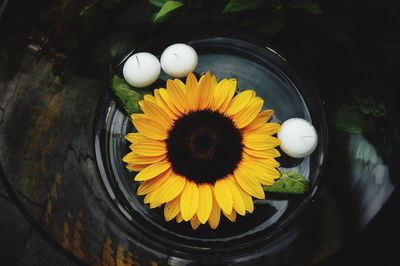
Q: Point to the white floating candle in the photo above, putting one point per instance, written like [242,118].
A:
[141,69]
[298,137]
[178,60]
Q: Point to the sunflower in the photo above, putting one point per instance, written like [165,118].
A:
[201,149]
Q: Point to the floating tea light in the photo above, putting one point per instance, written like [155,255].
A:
[298,137]
[141,69]
[178,60]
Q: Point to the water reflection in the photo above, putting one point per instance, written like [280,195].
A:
[370,185]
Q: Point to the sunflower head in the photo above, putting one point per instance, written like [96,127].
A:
[202,149]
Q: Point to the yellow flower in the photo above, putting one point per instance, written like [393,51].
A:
[200,149]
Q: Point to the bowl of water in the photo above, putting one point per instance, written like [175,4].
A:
[286,90]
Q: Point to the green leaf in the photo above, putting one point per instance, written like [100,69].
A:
[127,95]
[351,120]
[369,106]
[166,9]
[306,5]
[289,182]
[158,3]
[84,10]
[241,5]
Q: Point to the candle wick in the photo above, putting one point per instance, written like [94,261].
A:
[177,56]
[137,59]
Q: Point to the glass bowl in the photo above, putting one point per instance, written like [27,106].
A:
[289,92]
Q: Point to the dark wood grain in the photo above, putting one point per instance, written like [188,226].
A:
[46,143]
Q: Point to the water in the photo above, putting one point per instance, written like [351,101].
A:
[282,89]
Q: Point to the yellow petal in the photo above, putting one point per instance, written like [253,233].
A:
[215,215]
[267,129]
[231,217]
[179,218]
[205,203]
[213,80]
[167,99]
[170,189]
[256,171]
[149,197]
[189,200]
[238,203]
[247,114]
[230,88]
[264,167]
[163,104]
[192,91]
[223,195]
[194,222]
[154,112]
[150,98]
[259,121]
[219,93]
[247,199]
[269,161]
[150,128]
[154,183]
[150,147]
[154,204]
[140,159]
[129,157]
[134,137]
[191,80]
[239,102]
[205,90]
[136,167]
[265,180]
[172,209]
[135,115]
[249,184]
[260,142]
[177,96]
[180,84]
[270,153]
[152,171]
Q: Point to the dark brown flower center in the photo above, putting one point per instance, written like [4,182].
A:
[204,146]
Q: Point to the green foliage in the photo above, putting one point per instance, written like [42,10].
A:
[369,106]
[265,16]
[360,117]
[158,3]
[305,5]
[241,5]
[289,182]
[351,120]
[166,9]
[374,119]
[127,95]
[86,8]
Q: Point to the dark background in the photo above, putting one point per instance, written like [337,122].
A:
[351,48]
